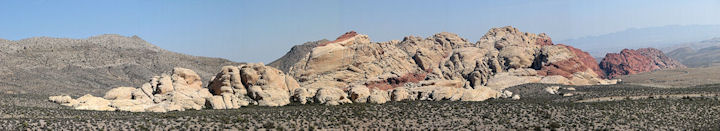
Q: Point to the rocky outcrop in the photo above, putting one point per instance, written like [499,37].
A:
[351,69]
[177,92]
[237,86]
[502,58]
[630,61]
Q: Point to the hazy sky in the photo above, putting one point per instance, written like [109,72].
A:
[263,30]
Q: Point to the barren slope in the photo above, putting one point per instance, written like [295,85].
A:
[52,66]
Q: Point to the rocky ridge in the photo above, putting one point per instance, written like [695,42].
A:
[700,54]
[630,61]
[295,54]
[92,65]
[351,69]
[441,67]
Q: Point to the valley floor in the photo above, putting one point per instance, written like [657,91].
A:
[535,110]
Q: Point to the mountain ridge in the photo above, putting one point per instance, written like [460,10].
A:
[90,65]
[656,37]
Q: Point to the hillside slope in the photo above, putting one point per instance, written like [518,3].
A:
[296,53]
[52,66]
[656,37]
[701,54]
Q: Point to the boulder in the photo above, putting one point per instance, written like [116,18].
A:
[90,102]
[379,97]
[400,94]
[331,96]
[359,94]
[552,89]
[253,83]
[479,94]
[119,93]
[516,97]
[63,100]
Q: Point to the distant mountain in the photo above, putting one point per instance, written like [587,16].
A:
[657,37]
[296,53]
[695,45]
[46,66]
[699,54]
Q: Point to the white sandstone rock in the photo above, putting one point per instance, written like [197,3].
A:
[359,94]
[331,96]
[552,89]
[119,93]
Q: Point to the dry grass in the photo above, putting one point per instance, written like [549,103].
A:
[676,78]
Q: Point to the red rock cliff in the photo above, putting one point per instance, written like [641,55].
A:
[630,61]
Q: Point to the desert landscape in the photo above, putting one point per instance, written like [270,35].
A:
[502,77]
[443,87]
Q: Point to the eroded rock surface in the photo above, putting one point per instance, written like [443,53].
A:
[351,69]
[251,84]
[177,92]
[630,61]
[502,58]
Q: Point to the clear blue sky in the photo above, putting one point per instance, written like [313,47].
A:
[263,30]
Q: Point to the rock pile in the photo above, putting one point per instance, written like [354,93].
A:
[630,61]
[177,92]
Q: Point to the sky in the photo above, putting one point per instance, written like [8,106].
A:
[264,30]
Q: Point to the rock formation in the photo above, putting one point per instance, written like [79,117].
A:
[351,69]
[502,58]
[630,61]
[237,86]
[177,92]
[296,53]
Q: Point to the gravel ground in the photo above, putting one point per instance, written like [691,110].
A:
[535,110]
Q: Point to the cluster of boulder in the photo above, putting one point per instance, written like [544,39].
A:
[177,92]
[352,69]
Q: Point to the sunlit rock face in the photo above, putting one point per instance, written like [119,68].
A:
[630,61]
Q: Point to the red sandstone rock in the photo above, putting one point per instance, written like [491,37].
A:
[544,41]
[630,61]
[581,62]
[343,37]
[392,83]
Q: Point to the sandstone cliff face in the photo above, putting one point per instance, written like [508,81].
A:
[351,69]
[630,61]
[256,84]
[502,58]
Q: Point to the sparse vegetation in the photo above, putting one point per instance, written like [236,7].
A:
[536,110]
